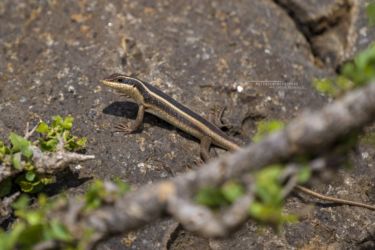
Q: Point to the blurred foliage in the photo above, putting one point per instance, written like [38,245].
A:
[19,154]
[216,197]
[266,127]
[353,74]
[98,193]
[269,192]
[362,69]
[371,12]
[35,226]
[269,205]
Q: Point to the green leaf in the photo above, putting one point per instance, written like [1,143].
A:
[270,214]
[30,175]
[9,240]
[268,187]
[21,203]
[42,200]
[34,217]
[266,127]
[211,197]
[68,123]
[31,235]
[20,144]
[94,195]
[232,191]
[257,210]
[16,161]
[362,69]
[74,143]
[46,180]
[59,232]
[304,174]
[26,186]
[42,128]
[81,142]
[5,241]
[48,145]
[3,150]
[28,166]
[57,121]
[122,186]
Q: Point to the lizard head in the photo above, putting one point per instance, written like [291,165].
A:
[120,82]
[127,85]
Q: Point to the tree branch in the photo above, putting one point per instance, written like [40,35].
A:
[312,132]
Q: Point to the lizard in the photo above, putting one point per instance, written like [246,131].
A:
[152,100]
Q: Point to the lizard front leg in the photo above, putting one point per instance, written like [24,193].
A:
[131,127]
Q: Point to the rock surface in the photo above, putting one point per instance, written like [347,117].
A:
[257,58]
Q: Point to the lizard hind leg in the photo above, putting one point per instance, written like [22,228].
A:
[216,117]
[205,148]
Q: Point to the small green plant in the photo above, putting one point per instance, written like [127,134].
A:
[33,226]
[269,199]
[353,74]
[362,70]
[19,154]
[269,192]
[59,130]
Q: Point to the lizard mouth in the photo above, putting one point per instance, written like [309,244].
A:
[111,84]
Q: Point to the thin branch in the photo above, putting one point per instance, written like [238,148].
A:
[45,162]
[51,162]
[334,200]
[204,221]
[28,132]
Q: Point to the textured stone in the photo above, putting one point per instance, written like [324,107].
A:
[53,54]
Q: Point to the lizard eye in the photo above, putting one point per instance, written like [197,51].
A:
[121,80]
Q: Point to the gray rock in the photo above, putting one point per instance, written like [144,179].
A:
[257,58]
